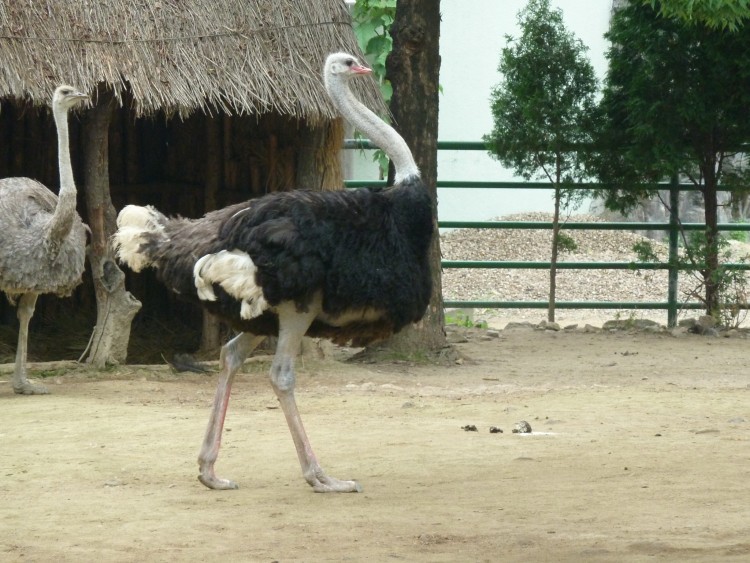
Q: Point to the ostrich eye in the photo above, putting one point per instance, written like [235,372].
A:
[349,62]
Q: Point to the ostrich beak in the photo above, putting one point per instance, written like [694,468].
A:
[359,69]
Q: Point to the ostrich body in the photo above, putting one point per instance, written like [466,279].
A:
[42,238]
[351,266]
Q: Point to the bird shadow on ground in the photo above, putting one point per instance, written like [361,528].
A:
[381,352]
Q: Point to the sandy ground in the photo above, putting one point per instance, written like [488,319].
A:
[640,452]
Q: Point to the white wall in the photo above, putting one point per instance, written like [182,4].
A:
[472,36]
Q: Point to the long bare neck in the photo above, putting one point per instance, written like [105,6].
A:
[65,212]
[377,130]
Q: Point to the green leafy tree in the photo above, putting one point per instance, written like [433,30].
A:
[543,110]
[676,101]
[729,14]
[372,26]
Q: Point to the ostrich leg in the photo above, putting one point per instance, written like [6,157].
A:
[233,353]
[25,311]
[292,327]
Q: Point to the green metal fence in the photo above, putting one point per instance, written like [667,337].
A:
[672,304]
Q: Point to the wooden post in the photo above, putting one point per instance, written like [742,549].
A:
[674,234]
[319,163]
[115,307]
[211,333]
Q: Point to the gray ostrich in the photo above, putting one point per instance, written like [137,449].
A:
[42,238]
[349,265]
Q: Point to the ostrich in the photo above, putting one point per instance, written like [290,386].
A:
[351,266]
[42,238]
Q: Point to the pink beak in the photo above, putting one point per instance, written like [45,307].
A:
[359,69]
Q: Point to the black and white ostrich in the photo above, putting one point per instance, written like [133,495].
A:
[351,266]
[42,238]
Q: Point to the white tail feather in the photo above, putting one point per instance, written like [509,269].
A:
[202,284]
[133,222]
[235,272]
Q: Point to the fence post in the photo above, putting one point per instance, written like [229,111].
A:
[674,219]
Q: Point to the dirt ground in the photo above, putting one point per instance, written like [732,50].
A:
[640,451]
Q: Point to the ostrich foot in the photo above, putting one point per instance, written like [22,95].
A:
[336,486]
[26,388]
[210,480]
[322,483]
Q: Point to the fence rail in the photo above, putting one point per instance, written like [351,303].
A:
[673,227]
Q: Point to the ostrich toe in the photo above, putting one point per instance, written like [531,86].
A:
[213,482]
[337,486]
[322,483]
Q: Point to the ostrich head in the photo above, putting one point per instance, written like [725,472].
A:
[343,65]
[66,97]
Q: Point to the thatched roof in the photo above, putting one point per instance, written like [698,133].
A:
[237,56]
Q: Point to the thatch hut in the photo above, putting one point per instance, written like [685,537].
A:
[196,104]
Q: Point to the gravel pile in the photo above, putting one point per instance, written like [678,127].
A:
[533,285]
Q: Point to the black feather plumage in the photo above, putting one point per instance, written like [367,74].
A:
[363,248]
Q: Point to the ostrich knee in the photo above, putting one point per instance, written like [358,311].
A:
[283,379]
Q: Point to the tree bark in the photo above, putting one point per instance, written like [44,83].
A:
[554,254]
[211,330]
[710,200]
[413,67]
[318,163]
[115,307]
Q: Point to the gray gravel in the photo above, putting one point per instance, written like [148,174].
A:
[572,285]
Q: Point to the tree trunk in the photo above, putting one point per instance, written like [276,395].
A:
[115,307]
[318,164]
[413,67]
[211,330]
[553,258]
[710,274]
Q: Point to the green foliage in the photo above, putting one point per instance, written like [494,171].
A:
[463,319]
[665,108]
[676,102]
[645,252]
[542,109]
[566,243]
[731,283]
[372,23]
[729,14]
